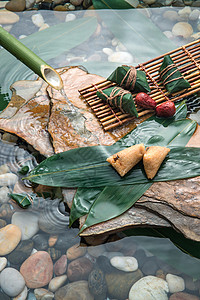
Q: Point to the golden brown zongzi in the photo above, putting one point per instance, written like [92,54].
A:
[124,160]
[153,159]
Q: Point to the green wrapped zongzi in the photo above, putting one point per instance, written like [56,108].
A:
[171,77]
[118,97]
[130,79]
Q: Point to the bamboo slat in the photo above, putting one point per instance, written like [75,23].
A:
[187,60]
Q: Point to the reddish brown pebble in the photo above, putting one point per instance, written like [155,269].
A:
[60,265]
[79,269]
[145,101]
[183,296]
[37,270]
[166,109]
[76,251]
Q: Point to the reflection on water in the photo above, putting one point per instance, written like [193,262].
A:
[56,262]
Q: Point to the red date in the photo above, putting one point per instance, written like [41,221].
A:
[166,109]
[145,101]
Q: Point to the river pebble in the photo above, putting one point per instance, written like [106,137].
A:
[79,269]
[4,168]
[97,284]
[4,194]
[149,287]
[37,20]
[22,295]
[57,282]
[16,5]
[183,296]
[70,17]
[182,29]
[76,251]
[175,283]
[3,263]
[121,57]
[27,222]
[76,290]
[37,270]
[21,252]
[12,282]
[60,265]
[10,237]
[8,179]
[124,263]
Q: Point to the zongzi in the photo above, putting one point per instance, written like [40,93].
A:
[171,77]
[124,160]
[118,97]
[153,159]
[130,79]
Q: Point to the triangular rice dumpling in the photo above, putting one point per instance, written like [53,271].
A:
[123,161]
[118,97]
[153,159]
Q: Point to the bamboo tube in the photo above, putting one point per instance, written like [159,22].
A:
[30,59]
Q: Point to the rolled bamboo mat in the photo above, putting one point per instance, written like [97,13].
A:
[187,60]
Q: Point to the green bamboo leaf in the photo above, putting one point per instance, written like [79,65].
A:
[82,202]
[139,134]
[132,28]
[114,4]
[113,201]
[23,200]
[4,100]
[47,44]
[87,166]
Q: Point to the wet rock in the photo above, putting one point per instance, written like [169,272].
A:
[54,253]
[4,194]
[60,265]
[76,290]
[57,282]
[8,17]
[30,3]
[110,255]
[67,240]
[119,283]
[40,241]
[121,57]
[175,283]
[160,274]
[16,5]
[124,263]
[52,240]
[184,13]
[4,168]
[70,17]
[8,179]
[97,284]
[6,211]
[27,222]
[150,266]
[69,7]
[2,223]
[40,293]
[140,255]
[150,288]
[76,2]
[178,3]
[182,29]
[22,295]
[21,252]
[104,264]
[194,15]
[37,20]
[37,270]
[170,15]
[79,269]
[183,296]
[96,250]
[76,251]
[191,284]
[3,263]
[12,282]
[10,237]
[60,8]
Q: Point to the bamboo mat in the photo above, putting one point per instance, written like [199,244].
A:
[186,58]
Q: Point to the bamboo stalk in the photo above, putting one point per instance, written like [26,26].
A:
[30,59]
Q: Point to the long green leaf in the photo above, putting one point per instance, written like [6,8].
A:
[139,134]
[47,44]
[113,201]
[87,166]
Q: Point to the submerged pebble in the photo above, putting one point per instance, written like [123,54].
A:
[124,263]
[27,222]
[57,282]
[12,282]
[10,237]
[175,283]
[8,179]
